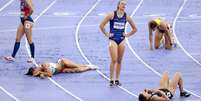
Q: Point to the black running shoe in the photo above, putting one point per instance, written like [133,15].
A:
[185,94]
[117,83]
[111,83]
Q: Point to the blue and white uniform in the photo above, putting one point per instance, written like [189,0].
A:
[117,28]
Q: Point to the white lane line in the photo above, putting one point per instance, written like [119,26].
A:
[130,47]
[45,10]
[9,94]
[178,42]
[68,92]
[6,5]
[83,55]
[3,89]
[174,25]
[148,66]
[34,62]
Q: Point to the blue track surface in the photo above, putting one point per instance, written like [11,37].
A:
[54,35]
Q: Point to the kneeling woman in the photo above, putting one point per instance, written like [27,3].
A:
[62,66]
[163,33]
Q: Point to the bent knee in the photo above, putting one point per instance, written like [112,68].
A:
[178,74]
[156,45]
[165,73]
[168,47]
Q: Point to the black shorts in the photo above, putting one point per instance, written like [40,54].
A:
[27,19]
[161,30]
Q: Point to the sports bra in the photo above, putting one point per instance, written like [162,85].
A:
[155,93]
[166,91]
[52,67]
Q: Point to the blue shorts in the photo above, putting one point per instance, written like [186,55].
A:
[27,19]
[118,40]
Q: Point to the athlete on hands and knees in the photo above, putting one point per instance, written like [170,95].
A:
[25,27]
[163,33]
[118,20]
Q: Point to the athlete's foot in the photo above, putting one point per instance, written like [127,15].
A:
[30,60]
[112,83]
[117,83]
[185,94]
[9,58]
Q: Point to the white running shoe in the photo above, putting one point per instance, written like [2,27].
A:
[30,60]
[93,67]
[9,58]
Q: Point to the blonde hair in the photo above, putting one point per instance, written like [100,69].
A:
[120,2]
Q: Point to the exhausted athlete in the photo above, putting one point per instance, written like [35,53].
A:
[163,33]
[62,66]
[166,90]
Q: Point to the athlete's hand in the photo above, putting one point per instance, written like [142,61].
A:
[42,76]
[151,47]
[25,17]
[125,34]
[110,35]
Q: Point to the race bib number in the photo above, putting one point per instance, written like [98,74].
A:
[119,25]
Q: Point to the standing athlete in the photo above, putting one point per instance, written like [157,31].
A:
[117,20]
[25,27]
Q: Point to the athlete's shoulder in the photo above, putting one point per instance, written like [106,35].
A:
[110,15]
[128,18]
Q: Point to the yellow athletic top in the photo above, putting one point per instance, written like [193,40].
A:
[158,21]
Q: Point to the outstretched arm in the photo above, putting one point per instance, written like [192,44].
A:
[46,72]
[162,98]
[150,35]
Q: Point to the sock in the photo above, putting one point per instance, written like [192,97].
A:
[32,49]
[16,48]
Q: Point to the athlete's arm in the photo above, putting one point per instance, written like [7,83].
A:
[162,98]
[165,26]
[157,98]
[30,5]
[104,22]
[46,72]
[150,35]
[37,71]
[133,26]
